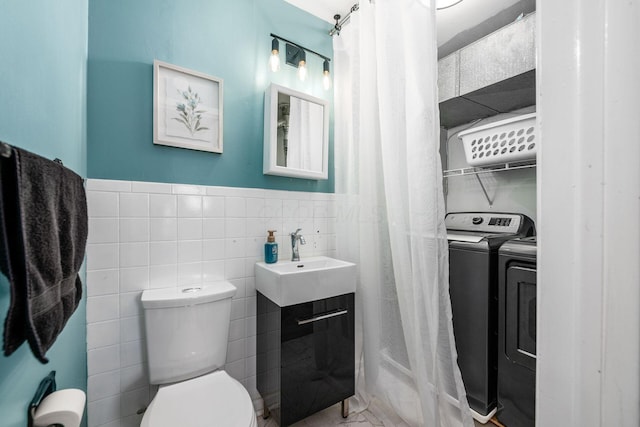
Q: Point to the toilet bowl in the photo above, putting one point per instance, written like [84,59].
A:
[213,399]
[186,338]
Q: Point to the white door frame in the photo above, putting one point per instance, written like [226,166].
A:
[588,213]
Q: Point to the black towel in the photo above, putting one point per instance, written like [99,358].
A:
[43,236]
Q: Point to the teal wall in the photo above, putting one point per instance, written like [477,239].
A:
[226,39]
[44,109]
[43,57]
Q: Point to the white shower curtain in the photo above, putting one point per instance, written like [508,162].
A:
[391,212]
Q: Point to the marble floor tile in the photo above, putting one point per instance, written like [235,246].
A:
[332,417]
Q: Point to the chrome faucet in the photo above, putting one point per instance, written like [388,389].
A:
[295,238]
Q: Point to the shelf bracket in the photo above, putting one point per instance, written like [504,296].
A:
[484,190]
[478,171]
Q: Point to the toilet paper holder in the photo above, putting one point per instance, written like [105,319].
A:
[46,387]
[56,408]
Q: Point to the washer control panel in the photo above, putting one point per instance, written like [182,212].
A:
[484,222]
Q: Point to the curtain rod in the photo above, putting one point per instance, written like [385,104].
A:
[340,22]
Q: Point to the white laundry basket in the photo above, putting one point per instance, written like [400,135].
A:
[506,141]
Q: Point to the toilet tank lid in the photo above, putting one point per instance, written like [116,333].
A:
[187,295]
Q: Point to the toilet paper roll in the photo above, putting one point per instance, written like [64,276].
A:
[63,407]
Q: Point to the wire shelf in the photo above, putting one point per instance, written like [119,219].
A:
[496,168]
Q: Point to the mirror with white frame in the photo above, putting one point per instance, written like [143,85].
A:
[296,134]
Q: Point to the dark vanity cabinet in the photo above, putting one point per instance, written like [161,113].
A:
[305,356]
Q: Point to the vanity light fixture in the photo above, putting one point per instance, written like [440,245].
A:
[302,65]
[296,56]
[326,78]
[274,61]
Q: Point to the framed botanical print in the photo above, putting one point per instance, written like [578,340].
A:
[187,108]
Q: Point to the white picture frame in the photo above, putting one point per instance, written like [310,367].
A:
[187,108]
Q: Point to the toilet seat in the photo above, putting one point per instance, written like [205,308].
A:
[213,399]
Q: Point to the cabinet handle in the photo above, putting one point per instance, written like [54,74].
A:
[339,312]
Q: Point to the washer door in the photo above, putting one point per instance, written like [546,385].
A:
[520,325]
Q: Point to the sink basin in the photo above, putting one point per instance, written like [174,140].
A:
[294,282]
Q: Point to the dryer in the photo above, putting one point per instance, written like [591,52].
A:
[517,333]
[474,240]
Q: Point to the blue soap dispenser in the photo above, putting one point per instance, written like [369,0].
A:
[271,248]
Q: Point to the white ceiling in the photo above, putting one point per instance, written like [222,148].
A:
[467,21]
[465,15]
[324,9]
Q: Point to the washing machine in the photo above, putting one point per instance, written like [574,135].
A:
[517,333]
[474,240]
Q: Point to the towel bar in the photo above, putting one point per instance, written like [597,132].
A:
[5,151]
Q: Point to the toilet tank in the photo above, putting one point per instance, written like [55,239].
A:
[186,330]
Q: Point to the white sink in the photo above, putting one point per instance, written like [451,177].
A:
[294,282]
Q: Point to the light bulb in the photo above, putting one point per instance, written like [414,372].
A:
[274,61]
[302,70]
[326,77]
[326,80]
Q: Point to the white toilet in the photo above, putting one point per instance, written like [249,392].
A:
[187,331]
